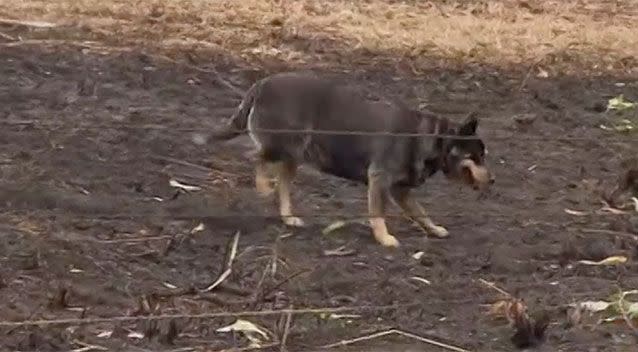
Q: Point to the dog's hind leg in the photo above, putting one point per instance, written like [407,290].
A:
[416,212]
[377,198]
[285,173]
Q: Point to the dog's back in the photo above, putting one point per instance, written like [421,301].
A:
[304,101]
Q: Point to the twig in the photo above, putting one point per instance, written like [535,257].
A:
[611,232]
[280,283]
[494,287]
[87,347]
[284,336]
[135,239]
[83,44]
[182,162]
[126,318]
[35,24]
[257,294]
[7,37]
[218,77]
[250,348]
[529,73]
[397,332]
[229,265]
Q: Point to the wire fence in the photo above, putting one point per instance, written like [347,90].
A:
[247,215]
[341,215]
[102,126]
[128,318]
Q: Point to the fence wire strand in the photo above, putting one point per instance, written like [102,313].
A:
[126,318]
[102,126]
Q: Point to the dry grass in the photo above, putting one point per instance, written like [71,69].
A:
[586,34]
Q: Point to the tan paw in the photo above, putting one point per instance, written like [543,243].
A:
[388,241]
[438,231]
[293,221]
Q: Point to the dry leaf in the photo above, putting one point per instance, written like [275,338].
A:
[594,306]
[613,260]
[620,103]
[575,212]
[169,285]
[135,335]
[176,184]
[198,228]
[510,309]
[418,255]
[250,330]
[542,73]
[420,279]
[339,252]
[611,210]
[334,226]
[344,316]
[105,334]
[286,235]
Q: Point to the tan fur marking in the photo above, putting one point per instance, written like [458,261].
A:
[417,213]
[376,209]
[262,180]
[285,173]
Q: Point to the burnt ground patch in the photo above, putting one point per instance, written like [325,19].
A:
[90,142]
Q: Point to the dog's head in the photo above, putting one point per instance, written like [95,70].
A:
[464,159]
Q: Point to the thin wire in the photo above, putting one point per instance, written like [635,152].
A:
[342,216]
[78,321]
[53,124]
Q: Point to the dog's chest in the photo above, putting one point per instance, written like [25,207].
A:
[339,156]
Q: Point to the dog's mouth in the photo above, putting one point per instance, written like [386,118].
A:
[477,176]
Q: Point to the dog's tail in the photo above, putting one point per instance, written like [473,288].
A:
[238,122]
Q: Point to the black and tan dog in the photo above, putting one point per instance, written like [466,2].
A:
[388,164]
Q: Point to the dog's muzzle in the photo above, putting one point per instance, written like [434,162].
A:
[478,176]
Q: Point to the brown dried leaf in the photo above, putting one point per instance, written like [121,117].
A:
[510,309]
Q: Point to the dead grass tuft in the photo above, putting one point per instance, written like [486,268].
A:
[590,34]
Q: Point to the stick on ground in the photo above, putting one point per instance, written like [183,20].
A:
[229,265]
[397,332]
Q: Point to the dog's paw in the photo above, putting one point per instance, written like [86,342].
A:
[293,221]
[438,231]
[388,241]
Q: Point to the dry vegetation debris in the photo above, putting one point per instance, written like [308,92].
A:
[567,34]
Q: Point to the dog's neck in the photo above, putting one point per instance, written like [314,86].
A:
[439,126]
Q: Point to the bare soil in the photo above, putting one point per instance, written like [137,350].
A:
[87,141]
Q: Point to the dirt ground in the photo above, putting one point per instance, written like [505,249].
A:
[92,228]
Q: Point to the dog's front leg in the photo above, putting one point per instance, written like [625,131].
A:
[416,212]
[377,198]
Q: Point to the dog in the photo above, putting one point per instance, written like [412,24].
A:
[302,118]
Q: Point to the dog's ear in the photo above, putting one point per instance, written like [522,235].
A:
[469,125]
